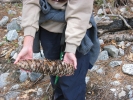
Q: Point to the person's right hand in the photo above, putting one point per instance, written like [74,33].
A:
[26,52]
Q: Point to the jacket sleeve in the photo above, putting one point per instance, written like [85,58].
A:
[30,16]
[78,13]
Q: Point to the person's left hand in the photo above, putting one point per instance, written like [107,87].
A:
[70,58]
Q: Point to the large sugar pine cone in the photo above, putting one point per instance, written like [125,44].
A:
[46,66]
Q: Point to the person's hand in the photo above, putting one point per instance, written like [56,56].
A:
[26,52]
[70,58]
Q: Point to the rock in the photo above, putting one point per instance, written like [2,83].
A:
[11,12]
[130,94]
[4,20]
[0,66]
[94,68]
[40,92]
[128,69]
[23,76]
[112,50]
[14,25]
[121,52]
[131,49]
[12,53]
[97,18]
[87,79]
[123,10]
[117,76]
[115,83]
[122,94]
[107,18]
[128,44]
[131,99]
[100,71]
[101,41]
[15,56]
[15,87]
[12,35]
[129,87]
[34,76]
[115,63]
[103,55]
[3,81]
[11,95]
[121,44]
[113,89]
[20,40]
[100,11]
[132,9]
[38,55]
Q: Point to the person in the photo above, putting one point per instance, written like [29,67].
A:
[78,14]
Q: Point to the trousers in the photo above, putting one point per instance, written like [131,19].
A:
[68,87]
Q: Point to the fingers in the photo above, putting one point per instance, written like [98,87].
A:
[75,64]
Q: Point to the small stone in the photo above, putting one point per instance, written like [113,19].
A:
[121,52]
[12,53]
[4,21]
[122,94]
[101,41]
[20,40]
[100,11]
[115,83]
[87,79]
[113,89]
[100,71]
[129,87]
[12,35]
[11,12]
[39,55]
[128,44]
[115,63]
[40,92]
[128,69]
[3,79]
[123,10]
[131,99]
[103,55]
[107,18]
[15,87]
[130,93]
[97,19]
[121,44]
[14,25]
[94,68]
[23,76]
[34,76]
[0,66]
[117,76]
[112,50]
[15,56]
[131,49]
[11,95]
[132,9]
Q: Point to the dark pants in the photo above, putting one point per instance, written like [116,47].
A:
[68,87]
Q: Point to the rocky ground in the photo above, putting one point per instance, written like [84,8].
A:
[110,79]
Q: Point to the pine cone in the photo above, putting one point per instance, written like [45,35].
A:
[47,67]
